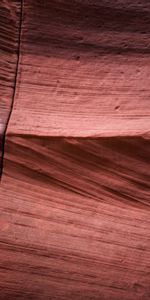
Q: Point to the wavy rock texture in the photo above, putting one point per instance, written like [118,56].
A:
[75,218]
[75,190]
[114,170]
[9,33]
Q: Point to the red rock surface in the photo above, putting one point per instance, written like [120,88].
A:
[75,218]
[75,189]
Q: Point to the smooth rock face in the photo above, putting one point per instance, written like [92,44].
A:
[75,190]
[84,69]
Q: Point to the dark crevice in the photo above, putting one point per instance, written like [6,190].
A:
[2,139]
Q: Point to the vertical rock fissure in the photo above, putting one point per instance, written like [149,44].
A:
[14,89]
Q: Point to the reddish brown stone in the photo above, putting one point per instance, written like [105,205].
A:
[75,189]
